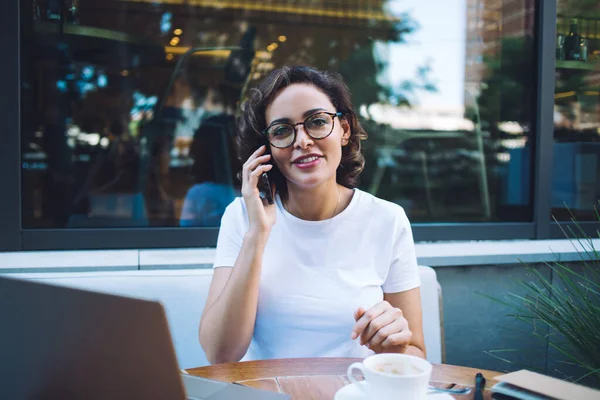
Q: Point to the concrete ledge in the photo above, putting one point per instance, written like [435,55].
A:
[502,252]
[177,258]
[69,261]
[439,254]
[53,274]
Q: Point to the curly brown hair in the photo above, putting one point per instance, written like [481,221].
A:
[252,121]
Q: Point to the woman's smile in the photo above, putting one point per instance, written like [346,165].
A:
[307,162]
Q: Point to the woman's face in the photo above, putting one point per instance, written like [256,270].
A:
[297,162]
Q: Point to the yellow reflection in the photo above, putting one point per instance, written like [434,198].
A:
[177,32]
[266,66]
[282,38]
[343,11]
[564,94]
[170,56]
[260,54]
[272,46]
[213,53]
[174,41]
[263,55]
[125,73]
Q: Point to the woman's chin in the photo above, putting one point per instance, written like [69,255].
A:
[308,182]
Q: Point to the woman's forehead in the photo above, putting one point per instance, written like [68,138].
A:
[293,101]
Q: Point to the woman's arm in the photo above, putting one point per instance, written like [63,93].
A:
[410,304]
[227,323]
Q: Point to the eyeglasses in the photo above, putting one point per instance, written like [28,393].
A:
[317,126]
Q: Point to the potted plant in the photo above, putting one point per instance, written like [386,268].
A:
[567,304]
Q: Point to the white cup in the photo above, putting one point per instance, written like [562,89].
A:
[393,376]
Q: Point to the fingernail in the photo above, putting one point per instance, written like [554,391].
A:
[354,335]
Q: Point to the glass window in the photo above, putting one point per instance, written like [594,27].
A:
[129,106]
[576,179]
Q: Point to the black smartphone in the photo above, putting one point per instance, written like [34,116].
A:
[264,186]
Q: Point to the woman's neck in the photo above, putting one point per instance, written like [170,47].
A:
[316,204]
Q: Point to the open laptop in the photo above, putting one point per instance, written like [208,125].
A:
[64,343]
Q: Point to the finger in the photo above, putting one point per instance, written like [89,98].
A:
[257,161]
[258,152]
[376,325]
[368,315]
[253,157]
[359,313]
[400,339]
[395,326]
[250,182]
[255,175]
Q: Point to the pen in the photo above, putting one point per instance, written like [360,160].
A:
[479,385]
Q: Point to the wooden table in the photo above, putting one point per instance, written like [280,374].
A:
[320,378]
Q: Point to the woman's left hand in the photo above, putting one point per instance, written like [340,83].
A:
[382,328]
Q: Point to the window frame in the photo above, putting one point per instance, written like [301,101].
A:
[14,238]
[10,110]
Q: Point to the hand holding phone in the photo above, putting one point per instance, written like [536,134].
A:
[256,188]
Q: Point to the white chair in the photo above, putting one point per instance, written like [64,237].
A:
[183,294]
[433,319]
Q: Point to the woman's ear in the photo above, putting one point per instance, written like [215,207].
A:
[345,131]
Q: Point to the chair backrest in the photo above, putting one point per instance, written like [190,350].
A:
[433,326]
[183,294]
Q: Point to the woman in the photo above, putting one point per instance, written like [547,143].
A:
[326,271]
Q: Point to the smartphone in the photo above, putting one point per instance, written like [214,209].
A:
[264,186]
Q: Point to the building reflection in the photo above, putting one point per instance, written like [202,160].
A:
[97,153]
[126,128]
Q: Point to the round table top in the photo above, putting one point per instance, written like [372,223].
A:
[321,378]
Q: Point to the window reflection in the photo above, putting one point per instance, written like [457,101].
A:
[130,105]
[576,182]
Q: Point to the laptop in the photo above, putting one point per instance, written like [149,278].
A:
[64,343]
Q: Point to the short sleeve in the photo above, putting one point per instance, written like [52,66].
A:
[231,234]
[403,273]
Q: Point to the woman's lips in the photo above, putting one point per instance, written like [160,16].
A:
[312,162]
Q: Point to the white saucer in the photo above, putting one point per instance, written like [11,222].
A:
[352,392]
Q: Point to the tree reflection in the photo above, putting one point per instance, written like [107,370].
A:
[100,141]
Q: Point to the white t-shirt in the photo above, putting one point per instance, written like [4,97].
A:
[315,274]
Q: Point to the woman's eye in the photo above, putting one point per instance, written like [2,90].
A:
[280,131]
[317,122]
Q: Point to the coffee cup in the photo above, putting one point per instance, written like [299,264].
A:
[393,376]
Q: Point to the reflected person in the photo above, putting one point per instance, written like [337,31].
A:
[213,153]
[206,201]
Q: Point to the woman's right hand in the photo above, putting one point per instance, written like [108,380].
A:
[261,215]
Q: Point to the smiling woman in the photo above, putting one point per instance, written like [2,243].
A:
[334,98]
[327,270]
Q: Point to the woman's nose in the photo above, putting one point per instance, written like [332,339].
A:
[302,138]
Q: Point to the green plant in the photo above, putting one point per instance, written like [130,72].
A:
[567,304]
